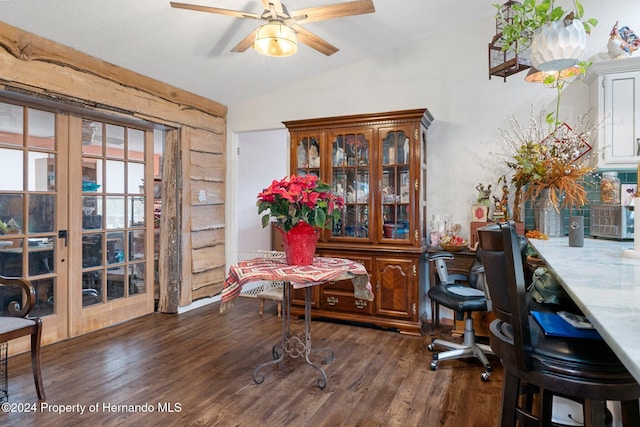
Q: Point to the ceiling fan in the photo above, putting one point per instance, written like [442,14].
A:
[276,13]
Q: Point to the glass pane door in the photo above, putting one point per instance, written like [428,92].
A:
[113,213]
[28,198]
[33,213]
[308,155]
[395,185]
[350,178]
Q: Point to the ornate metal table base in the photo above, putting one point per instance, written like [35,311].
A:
[296,345]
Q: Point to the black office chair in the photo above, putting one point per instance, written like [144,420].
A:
[535,365]
[463,297]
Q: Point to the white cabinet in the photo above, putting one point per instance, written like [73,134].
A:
[615,87]
[621,133]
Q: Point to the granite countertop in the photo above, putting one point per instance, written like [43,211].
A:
[605,286]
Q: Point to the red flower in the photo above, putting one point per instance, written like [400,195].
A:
[297,199]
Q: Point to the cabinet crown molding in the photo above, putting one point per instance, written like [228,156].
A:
[609,66]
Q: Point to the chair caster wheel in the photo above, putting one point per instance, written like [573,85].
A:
[485,376]
[433,366]
[430,347]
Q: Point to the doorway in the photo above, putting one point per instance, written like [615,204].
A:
[263,157]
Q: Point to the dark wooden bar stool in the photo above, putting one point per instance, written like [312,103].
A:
[583,370]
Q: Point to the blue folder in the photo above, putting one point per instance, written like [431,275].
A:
[555,326]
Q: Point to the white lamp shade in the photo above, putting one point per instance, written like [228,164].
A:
[556,46]
[275,39]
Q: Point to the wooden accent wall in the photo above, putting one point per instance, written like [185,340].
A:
[36,67]
[204,214]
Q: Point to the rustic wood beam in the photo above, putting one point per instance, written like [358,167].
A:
[30,48]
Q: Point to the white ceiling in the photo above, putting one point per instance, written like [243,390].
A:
[191,50]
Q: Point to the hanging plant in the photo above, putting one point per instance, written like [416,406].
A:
[526,18]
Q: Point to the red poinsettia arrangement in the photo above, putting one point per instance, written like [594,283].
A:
[296,199]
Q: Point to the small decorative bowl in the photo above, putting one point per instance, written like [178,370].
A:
[453,248]
[89,186]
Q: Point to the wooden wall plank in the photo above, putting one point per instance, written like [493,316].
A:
[208,277]
[209,142]
[208,291]
[207,166]
[214,192]
[204,238]
[186,296]
[207,258]
[207,217]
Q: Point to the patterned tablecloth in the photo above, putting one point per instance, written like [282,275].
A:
[321,271]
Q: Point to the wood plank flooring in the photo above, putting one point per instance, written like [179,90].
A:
[199,365]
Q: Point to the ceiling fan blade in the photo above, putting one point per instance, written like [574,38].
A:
[236,13]
[313,41]
[245,43]
[321,13]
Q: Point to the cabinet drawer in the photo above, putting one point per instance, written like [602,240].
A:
[337,300]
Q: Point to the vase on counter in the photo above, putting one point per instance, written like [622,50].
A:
[300,244]
[547,216]
[576,231]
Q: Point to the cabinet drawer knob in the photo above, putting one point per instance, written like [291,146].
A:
[332,300]
[360,303]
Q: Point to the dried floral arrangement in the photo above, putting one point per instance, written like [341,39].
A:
[543,157]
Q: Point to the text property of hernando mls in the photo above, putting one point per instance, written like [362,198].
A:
[100,407]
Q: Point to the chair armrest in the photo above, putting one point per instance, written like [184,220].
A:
[15,308]
[439,255]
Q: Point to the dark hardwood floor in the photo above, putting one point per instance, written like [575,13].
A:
[199,366]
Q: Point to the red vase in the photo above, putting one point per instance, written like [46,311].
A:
[300,244]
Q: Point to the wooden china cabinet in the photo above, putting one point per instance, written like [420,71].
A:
[377,162]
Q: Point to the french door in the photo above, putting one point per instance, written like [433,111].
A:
[112,262]
[74,217]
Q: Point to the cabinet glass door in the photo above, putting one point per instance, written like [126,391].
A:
[350,180]
[395,181]
[307,149]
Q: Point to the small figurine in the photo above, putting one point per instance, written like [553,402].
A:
[314,157]
[504,202]
[406,150]
[622,42]
[483,195]
[302,157]
[338,158]
[498,213]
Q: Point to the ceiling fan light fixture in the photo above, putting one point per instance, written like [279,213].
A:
[275,39]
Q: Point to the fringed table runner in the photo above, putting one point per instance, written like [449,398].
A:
[300,276]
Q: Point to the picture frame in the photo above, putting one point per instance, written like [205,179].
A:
[479,213]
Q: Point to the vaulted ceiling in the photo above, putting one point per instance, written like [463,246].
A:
[192,50]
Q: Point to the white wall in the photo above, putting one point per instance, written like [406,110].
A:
[448,74]
[262,157]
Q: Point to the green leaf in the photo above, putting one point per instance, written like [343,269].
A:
[579,9]
[321,218]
